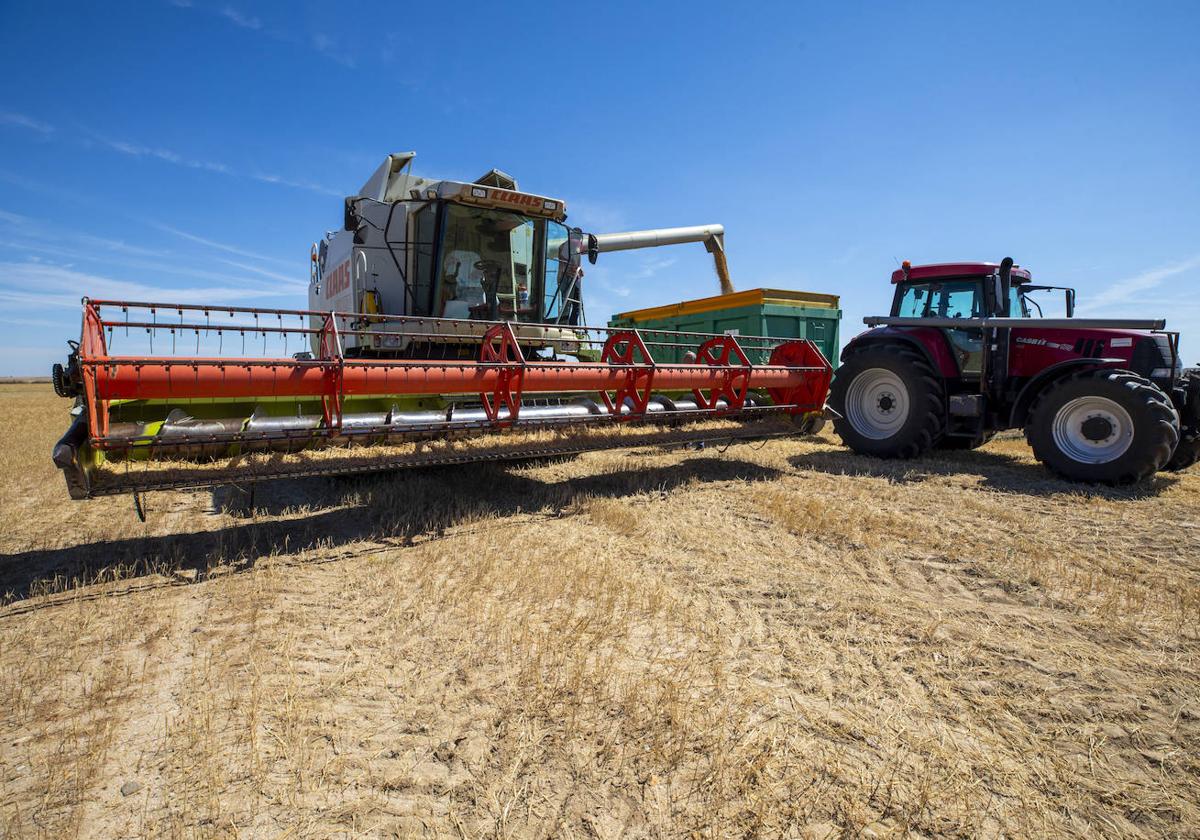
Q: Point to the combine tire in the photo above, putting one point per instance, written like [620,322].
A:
[891,402]
[1103,426]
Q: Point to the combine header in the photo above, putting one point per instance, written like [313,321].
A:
[402,365]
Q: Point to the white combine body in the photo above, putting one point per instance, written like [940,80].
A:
[478,251]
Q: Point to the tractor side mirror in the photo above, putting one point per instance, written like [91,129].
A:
[1070,296]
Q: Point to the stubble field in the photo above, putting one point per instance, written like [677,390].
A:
[774,640]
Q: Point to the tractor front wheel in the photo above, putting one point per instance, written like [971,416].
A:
[1103,426]
[891,402]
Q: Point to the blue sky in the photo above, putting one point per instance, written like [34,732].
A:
[192,151]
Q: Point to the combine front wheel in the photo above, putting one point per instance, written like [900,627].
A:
[890,400]
[1103,426]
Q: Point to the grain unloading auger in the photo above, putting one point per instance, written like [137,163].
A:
[444,327]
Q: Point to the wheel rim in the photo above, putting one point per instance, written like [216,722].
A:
[1093,430]
[877,404]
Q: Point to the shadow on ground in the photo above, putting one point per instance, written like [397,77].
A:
[995,470]
[327,513]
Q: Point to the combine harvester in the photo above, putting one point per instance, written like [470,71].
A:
[445,325]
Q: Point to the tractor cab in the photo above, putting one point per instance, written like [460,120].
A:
[970,290]
[962,293]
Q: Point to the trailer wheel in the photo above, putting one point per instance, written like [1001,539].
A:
[1103,426]
[891,402]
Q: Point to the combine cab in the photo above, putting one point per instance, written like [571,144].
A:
[445,326]
[963,356]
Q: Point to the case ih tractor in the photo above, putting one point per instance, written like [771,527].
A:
[962,356]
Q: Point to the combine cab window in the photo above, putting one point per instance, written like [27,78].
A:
[424,243]
[487,265]
[558,289]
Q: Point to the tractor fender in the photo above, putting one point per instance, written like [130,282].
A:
[929,342]
[1030,390]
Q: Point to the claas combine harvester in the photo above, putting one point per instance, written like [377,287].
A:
[445,324]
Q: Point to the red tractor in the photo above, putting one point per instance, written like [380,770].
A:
[962,356]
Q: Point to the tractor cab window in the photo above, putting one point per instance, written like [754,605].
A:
[941,299]
[1017,305]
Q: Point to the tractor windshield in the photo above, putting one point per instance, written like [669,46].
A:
[494,265]
[940,299]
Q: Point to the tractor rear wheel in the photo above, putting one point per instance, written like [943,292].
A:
[891,402]
[1103,426]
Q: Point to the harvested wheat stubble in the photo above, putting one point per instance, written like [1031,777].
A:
[778,641]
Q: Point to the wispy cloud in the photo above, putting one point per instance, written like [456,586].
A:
[63,286]
[1131,289]
[23,121]
[138,150]
[220,246]
[652,266]
[38,241]
[330,48]
[596,216]
[293,279]
[239,19]
[321,42]
[167,155]
[300,185]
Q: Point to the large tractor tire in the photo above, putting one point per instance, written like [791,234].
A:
[891,401]
[1188,451]
[1103,427]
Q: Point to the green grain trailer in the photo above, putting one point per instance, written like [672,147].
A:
[779,313]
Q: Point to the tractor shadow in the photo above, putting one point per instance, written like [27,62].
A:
[324,514]
[996,471]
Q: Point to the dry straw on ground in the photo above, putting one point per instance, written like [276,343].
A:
[777,641]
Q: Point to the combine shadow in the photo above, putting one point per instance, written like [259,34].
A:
[327,513]
[998,471]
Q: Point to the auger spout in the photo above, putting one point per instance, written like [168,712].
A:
[713,237]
